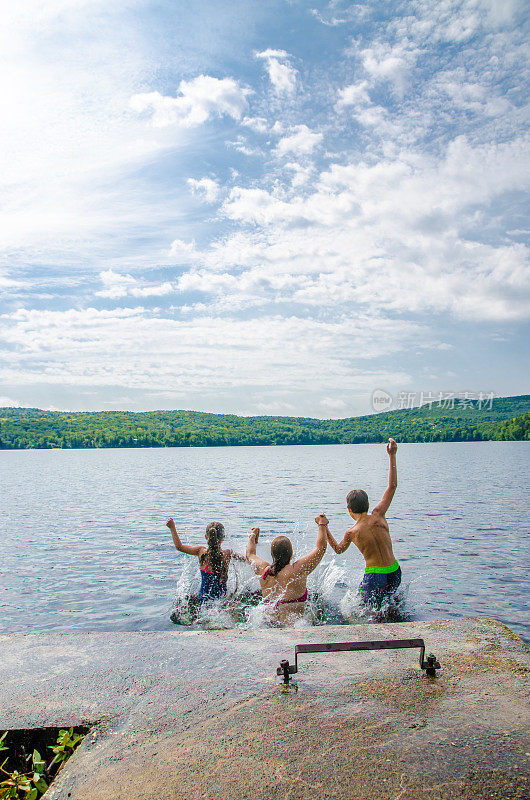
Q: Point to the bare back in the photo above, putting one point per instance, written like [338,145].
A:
[371,535]
[283,593]
[287,585]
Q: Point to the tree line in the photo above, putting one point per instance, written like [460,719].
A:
[508,418]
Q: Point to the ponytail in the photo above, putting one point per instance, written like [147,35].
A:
[215,533]
[281,552]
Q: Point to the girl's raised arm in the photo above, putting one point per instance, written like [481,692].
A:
[308,563]
[191,550]
[258,563]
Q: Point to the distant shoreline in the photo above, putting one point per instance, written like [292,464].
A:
[237,446]
[502,419]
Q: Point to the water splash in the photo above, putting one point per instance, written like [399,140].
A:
[392,609]
[333,600]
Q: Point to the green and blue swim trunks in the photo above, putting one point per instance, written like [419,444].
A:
[379,583]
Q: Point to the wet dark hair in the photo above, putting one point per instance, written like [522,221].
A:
[281,552]
[215,533]
[357,501]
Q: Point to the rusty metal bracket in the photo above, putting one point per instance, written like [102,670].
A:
[430,665]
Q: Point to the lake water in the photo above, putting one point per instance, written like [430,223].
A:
[85,547]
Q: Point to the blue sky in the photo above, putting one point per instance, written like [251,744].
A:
[262,208]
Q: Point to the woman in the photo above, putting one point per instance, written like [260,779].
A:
[213,562]
[284,585]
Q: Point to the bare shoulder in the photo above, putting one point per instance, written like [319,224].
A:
[290,571]
[376,512]
[259,566]
[294,571]
[378,521]
[261,569]
[374,515]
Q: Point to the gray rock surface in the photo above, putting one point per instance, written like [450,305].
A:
[183,716]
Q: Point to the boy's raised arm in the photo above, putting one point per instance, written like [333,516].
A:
[339,547]
[191,550]
[384,503]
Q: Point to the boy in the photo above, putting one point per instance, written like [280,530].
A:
[370,534]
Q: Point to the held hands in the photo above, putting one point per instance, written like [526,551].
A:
[391,447]
[322,520]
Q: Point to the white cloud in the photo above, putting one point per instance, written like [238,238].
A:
[8,284]
[301,142]
[117,285]
[395,234]
[334,405]
[206,188]
[276,408]
[257,124]
[472,96]
[456,21]
[8,402]
[241,145]
[271,53]
[203,281]
[356,94]
[390,63]
[181,251]
[356,97]
[501,12]
[301,174]
[198,100]
[150,351]
[155,290]
[281,74]
[259,206]
[68,143]
[352,13]
[395,198]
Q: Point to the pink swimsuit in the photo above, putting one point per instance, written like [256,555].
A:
[301,599]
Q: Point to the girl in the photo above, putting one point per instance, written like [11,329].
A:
[213,562]
[284,585]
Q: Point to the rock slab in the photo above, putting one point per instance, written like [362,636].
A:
[183,716]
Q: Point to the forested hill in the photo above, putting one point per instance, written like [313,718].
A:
[23,428]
